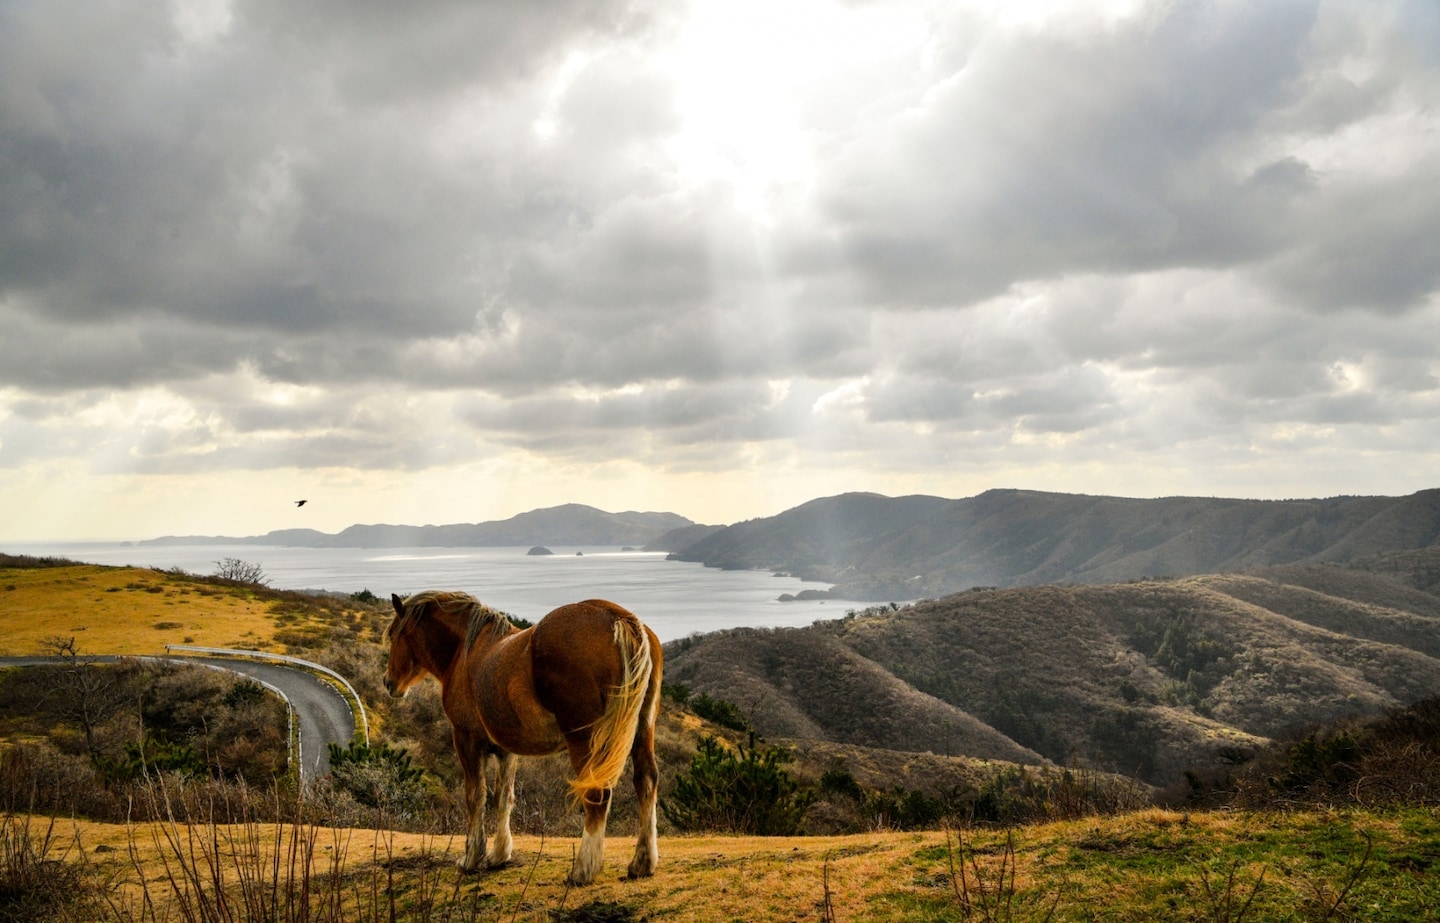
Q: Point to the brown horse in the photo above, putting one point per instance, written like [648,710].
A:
[586,679]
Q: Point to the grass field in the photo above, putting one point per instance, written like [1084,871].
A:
[126,610]
[1150,865]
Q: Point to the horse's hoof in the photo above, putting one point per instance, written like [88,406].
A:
[466,867]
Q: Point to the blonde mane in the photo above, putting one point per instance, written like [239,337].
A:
[479,618]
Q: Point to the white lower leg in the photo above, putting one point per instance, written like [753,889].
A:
[474,840]
[475,817]
[502,847]
[591,855]
[647,850]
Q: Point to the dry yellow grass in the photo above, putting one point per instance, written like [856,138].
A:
[125,610]
[702,878]
[1136,867]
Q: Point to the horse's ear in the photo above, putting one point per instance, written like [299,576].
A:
[398,603]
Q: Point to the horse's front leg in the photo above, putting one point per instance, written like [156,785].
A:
[501,846]
[472,753]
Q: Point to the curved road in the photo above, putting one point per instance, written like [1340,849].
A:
[321,712]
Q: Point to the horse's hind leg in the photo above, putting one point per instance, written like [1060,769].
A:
[591,855]
[502,846]
[596,802]
[647,851]
[642,758]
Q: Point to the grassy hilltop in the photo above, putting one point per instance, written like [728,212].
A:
[1343,849]
[136,611]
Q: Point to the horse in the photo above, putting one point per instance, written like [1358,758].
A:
[585,678]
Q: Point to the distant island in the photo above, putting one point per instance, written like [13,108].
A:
[570,524]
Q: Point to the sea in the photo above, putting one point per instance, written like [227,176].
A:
[675,598]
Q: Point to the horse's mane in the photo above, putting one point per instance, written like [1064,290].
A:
[479,618]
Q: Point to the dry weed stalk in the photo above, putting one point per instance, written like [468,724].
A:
[254,871]
[827,907]
[992,902]
[1222,903]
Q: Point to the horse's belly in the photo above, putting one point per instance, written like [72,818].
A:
[535,737]
[522,725]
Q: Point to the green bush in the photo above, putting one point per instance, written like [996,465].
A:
[840,781]
[153,755]
[378,776]
[244,693]
[904,809]
[746,791]
[1328,759]
[726,714]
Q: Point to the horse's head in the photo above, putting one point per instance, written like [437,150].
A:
[404,668]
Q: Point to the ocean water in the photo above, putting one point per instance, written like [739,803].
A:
[675,598]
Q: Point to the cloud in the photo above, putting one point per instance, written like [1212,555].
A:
[1179,238]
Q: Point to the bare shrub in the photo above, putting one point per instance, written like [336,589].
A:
[37,879]
[1390,760]
[234,570]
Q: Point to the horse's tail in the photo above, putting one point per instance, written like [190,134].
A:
[633,699]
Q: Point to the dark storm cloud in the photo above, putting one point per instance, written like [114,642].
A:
[1372,247]
[264,180]
[480,220]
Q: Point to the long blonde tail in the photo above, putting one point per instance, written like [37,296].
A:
[612,736]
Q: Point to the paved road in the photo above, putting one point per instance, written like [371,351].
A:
[321,712]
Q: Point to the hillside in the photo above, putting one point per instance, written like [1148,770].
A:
[881,548]
[1148,678]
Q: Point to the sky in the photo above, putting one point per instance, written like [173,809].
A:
[442,262]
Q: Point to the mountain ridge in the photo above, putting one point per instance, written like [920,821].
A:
[877,549]
[567,524]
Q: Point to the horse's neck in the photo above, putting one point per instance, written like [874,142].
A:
[443,643]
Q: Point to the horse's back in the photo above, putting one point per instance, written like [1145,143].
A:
[576,660]
[581,635]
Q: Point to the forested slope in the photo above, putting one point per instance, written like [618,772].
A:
[1149,678]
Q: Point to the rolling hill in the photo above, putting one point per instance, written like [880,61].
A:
[880,548]
[1148,678]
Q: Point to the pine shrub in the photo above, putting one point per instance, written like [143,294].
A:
[746,790]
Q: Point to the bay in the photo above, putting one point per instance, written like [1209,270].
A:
[675,598]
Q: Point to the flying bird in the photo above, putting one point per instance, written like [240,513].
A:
[301,502]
